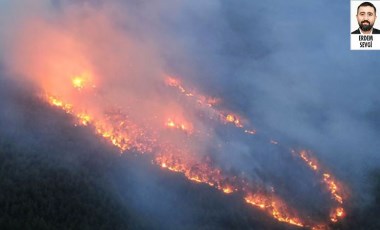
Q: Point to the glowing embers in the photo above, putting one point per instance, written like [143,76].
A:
[179,124]
[234,119]
[83,118]
[333,187]
[311,162]
[116,127]
[273,206]
[200,99]
[203,173]
[123,133]
[81,81]
[58,103]
[196,171]
[337,214]
[78,82]
[328,180]
[209,103]
[112,125]
[228,189]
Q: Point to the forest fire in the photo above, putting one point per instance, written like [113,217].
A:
[78,83]
[311,162]
[332,184]
[170,158]
[273,207]
[183,126]
[337,214]
[222,116]
[115,126]
[82,80]
[234,119]
[333,187]
[123,78]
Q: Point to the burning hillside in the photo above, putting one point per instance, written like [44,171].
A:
[179,155]
[115,71]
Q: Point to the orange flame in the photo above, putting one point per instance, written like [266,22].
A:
[187,127]
[274,207]
[234,119]
[333,187]
[78,83]
[331,183]
[125,135]
[311,162]
[226,118]
[81,81]
[337,214]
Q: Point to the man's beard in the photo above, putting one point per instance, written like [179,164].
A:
[365,27]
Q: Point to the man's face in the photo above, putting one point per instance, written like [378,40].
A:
[366,17]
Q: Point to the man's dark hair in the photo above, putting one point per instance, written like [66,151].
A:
[366,4]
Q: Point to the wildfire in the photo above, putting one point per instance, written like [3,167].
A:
[85,119]
[232,118]
[333,187]
[71,74]
[58,103]
[112,128]
[332,184]
[337,214]
[184,126]
[195,171]
[115,126]
[207,102]
[311,162]
[79,82]
[228,189]
[202,173]
[273,207]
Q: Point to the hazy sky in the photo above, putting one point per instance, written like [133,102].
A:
[286,66]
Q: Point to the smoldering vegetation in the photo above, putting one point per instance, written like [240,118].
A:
[294,82]
[57,176]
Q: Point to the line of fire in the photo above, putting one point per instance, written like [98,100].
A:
[117,126]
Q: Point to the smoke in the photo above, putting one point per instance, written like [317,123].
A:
[285,67]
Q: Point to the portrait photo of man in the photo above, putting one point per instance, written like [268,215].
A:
[366,17]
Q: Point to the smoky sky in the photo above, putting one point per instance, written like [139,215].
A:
[284,66]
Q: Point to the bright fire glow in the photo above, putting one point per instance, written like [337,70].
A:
[328,180]
[186,127]
[333,187]
[224,117]
[78,83]
[192,169]
[81,81]
[273,207]
[311,162]
[134,113]
[125,135]
[337,214]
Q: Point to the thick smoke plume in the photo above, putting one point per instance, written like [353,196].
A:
[284,67]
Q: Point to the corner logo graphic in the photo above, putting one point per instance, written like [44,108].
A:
[365,34]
